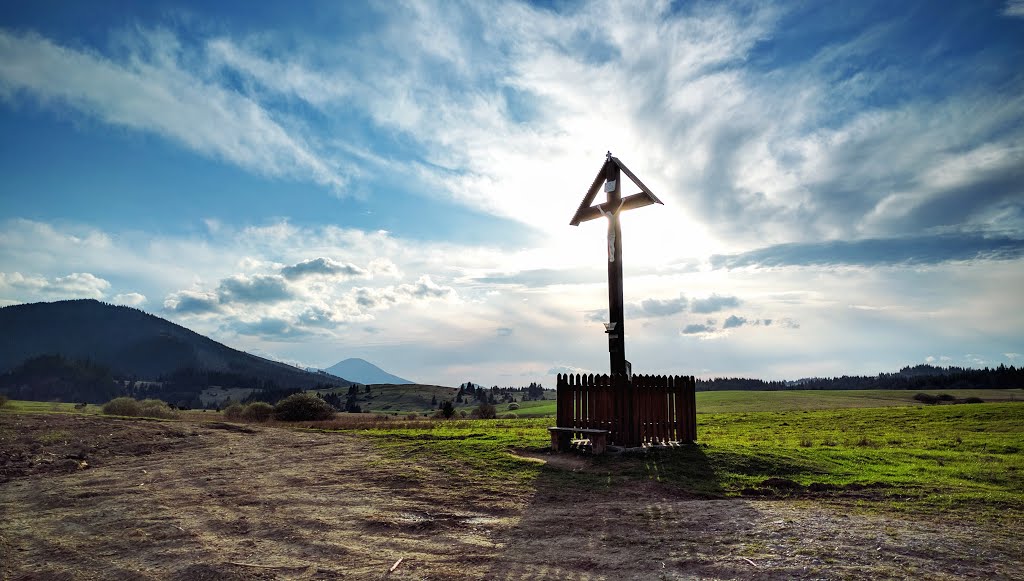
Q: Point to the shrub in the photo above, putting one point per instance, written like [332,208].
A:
[926,398]
[155,408]
[946,397]
[303,407]
[3,401]
[974,399]
[257,411]
[513,406]
[510,416]
[447,409]
[149,408]
[121,406]
[485,411]
[234,411]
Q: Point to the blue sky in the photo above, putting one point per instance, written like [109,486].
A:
[843,182]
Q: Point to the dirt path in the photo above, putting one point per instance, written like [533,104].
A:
[195,501]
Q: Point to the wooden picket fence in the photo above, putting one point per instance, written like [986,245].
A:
[643,409]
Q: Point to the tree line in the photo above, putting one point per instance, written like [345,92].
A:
[917,377]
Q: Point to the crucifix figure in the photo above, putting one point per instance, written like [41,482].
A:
[610,177]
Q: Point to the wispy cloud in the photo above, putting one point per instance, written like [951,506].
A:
[714,303]
[323,267]
[1014,8]
[152,91]
[697,329]
[129,299]
[910,250]
[74,285]
[489,104]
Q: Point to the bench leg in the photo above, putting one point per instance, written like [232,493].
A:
[561,441]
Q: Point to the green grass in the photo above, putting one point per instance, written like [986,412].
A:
[475,452]
[966,459]
[36,407]
[713,402]
[936,456]
[406,399]
[544,408]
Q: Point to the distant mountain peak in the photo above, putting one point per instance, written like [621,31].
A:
[362,371]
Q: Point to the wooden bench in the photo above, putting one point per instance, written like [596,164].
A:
[561,438]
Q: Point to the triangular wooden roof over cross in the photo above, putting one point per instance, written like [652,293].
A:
[587,212]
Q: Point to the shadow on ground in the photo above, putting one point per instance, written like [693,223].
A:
[619,517]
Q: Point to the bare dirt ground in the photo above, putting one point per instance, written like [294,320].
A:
[95,498]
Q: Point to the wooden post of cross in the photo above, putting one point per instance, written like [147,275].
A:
[610,177]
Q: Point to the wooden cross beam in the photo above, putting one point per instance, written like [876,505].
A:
[610,176]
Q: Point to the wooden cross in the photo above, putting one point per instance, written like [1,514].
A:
[610,176]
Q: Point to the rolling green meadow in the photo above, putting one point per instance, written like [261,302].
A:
[881,448]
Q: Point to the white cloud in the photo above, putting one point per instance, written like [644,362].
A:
[260,288]
[152,91]
[129,299]
[192,302]
[713,304]
[323,267]
[74,285]
[1014,8]
[698,329]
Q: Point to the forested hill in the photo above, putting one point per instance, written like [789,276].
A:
[132,344]
[917,377]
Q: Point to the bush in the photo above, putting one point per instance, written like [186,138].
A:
[121,406]
[513,406]
[3,401]
[974,399]
[447,409]
[155,408]
[149,408]
[946,397]
[303,407]
[234,411]
[926,398]
[510,416]
[485,411]
[257,411]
